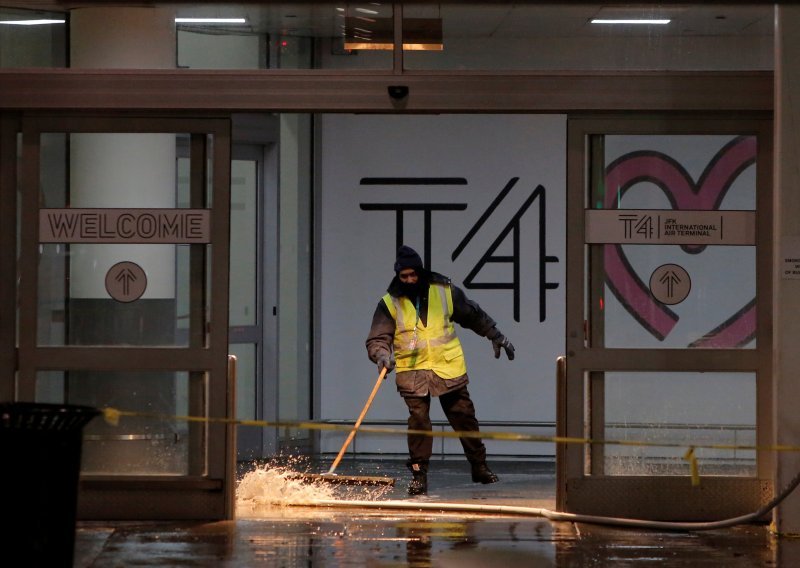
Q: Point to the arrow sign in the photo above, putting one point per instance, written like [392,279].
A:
[126,281]
[126,277]
[670,284]
[671,280]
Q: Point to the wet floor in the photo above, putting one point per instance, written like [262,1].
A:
[301,535]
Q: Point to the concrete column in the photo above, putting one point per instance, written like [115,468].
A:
[122,38]
[787,240]
[124,170]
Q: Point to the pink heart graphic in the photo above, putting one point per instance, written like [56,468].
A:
[684,194]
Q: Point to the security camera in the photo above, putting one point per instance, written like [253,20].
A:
[398,92]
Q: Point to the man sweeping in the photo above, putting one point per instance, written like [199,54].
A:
[412,330]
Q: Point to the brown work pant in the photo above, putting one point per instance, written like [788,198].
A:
[460,412]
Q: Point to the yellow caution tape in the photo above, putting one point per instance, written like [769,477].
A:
[112,416]
[693,469]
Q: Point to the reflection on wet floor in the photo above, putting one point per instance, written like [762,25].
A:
[298,534]
[345,539]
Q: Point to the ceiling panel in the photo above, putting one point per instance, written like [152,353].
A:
[478,20]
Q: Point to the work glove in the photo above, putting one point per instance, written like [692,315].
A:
[499,341]
[387,361]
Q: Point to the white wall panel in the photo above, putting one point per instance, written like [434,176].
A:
[357,248]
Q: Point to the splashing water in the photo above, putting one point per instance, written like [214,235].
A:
[269,485]
[271,489]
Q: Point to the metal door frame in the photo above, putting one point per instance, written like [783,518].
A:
[208,495]
[580,372]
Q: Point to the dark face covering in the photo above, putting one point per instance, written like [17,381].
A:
[419,288]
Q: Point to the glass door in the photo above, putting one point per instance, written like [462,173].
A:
[253,302]
[123,304]
[668,311]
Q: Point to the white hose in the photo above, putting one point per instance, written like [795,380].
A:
[564,517]
[531,512]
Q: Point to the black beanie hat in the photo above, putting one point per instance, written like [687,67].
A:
[407,258]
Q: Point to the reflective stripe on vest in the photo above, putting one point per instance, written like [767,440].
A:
[434,346]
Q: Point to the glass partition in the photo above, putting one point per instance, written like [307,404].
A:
[156,442]
[678,214]
[483,36]
[448,36]
[244,243]
[674,412]
[116,256]
[247,390]
[286,36]
[103,214]
[555,36]
[33,38]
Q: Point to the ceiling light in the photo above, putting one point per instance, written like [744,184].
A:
[631,21]
[210,21]
[31,22]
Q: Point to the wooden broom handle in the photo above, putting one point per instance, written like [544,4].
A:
[358,422]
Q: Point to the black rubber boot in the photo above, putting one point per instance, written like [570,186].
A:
[419,483]
[482,474]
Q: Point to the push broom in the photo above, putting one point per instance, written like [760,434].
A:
[330,476]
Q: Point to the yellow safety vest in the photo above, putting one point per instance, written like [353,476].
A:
[434,346]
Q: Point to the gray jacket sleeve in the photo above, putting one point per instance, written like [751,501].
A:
[467,313]
[381,334]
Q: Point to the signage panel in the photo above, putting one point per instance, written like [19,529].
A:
[125,226]
[790,253]
[670,227]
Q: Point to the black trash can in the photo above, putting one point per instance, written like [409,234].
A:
[40,462]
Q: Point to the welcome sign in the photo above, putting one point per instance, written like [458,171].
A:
[177,226]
